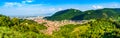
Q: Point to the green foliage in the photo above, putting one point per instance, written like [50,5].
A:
[118,18]
[27,25]
[5,21]
[6,32]
[20,28]
[93,29]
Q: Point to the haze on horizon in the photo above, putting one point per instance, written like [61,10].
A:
[49,7]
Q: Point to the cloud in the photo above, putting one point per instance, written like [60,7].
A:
[52,9]
[19,4]
[27,1]
[23,2]
[23,9]
[115,5]
[97,7]
[16,8]
[12,4]
[60,9]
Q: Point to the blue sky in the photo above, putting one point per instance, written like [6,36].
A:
[49,7]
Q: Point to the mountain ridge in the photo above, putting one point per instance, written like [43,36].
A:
[74,14]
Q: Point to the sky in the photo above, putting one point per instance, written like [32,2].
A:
[49,7]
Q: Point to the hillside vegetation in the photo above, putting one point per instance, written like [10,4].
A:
[98,14]
[20,28]
[94,29]
[65,14]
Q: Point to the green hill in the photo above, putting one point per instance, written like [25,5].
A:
[98,14]
[65,14]
[73,14]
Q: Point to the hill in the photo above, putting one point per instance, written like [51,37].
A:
[65,14]
[105,13]
[73,14]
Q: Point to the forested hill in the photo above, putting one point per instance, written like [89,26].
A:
[74,14]
[65,14]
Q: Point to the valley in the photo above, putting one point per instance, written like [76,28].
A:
[69,23]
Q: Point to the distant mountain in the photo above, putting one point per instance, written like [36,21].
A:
[74,14]
[65,14]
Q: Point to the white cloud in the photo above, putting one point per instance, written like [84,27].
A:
[23,2]
[52,9]
[28,1]
[15,8]
[12,4]
[114,5]
[60,8]
[97,7]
